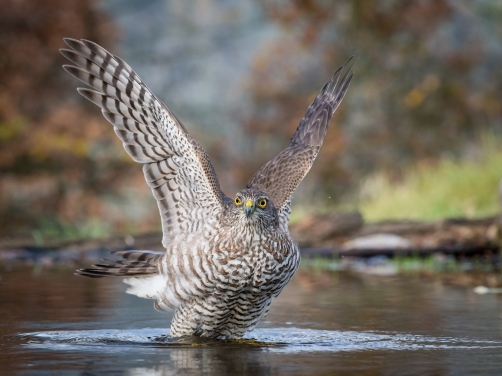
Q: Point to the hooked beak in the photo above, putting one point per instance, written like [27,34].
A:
[249,208]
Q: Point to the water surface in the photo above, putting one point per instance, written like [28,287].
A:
[324,323]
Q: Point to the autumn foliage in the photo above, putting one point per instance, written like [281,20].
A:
[427,80]
[57,156]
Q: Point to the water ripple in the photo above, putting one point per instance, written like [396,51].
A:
[283,340]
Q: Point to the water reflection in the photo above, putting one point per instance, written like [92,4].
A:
[323,322]
[189,356]
[182,362]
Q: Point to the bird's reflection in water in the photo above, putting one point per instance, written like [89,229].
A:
[201,360]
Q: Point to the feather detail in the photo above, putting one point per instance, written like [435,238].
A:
[176,167]
[280,176]
[135,263]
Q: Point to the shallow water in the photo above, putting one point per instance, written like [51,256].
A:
[331,323]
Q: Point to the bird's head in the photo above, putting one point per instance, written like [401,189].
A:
[252,206]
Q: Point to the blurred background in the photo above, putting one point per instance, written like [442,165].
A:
[419,134]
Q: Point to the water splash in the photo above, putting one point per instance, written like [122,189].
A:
[282,340]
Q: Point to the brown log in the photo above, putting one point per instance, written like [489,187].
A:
[464,250]
[324,235]
[321,227]
[454,236]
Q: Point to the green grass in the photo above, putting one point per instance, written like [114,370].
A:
[404,265]
[465,188]
[431,264]
[321,263]
[57,230]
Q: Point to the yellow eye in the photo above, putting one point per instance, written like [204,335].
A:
[238,201]
[262,203]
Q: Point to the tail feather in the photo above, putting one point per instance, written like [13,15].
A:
[134,264]
[148,256]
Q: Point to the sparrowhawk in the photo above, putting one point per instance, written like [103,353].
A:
[225,259]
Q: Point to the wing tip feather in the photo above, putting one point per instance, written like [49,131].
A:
[335,85]
[72,43]
[88,93]
[310,134]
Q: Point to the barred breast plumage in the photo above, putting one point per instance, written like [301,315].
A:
[225,259]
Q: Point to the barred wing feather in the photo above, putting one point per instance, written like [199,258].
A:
[176,167]
[280,176]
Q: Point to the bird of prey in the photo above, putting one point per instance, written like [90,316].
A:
[225,259]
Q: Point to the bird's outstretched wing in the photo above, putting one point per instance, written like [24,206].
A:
[280,176]
[176,167]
